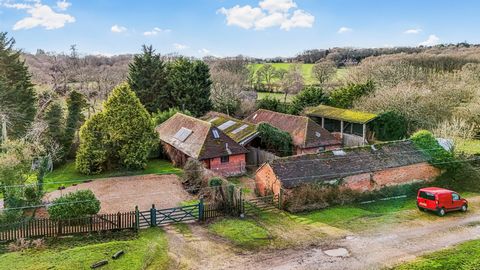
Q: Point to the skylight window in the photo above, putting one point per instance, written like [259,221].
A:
[255,116]
[182,134]
[239,129]
[226,125]
[215,133]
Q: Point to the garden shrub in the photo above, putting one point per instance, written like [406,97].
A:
[77,204]
[272,104]
[215,182]
[193,174]
[275,140]
[318,196]
[308,97]
[438,156]
[390,126]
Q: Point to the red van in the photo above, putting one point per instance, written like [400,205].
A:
[440,200]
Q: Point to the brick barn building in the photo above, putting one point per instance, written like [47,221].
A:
[184,136]
[307,136]
[361,168]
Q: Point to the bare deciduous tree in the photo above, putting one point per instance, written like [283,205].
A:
[292,82]
[323,71]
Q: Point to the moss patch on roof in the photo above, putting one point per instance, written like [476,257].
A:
[341,114]
[238,136]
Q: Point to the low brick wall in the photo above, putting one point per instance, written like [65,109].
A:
[392,176]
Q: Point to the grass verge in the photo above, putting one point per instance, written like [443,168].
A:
[462,257]
[147,251]
[241,232]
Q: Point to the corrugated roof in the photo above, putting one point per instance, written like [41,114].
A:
[202,142]
[340,114]
[326,166]
[240,131]
[305,132]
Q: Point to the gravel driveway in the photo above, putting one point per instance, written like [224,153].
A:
[121,194]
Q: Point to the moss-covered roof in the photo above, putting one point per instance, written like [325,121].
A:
[341,114]
[236,129]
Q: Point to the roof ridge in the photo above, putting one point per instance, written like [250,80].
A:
[194,119]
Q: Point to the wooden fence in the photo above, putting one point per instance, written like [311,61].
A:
[46,227]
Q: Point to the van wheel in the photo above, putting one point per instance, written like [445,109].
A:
[464,208]
[441,212]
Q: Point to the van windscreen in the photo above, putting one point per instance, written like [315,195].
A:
[427,195]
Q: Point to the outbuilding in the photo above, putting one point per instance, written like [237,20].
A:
[184,137]
[361,168]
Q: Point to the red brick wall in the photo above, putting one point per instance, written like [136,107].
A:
[266,181]
[235,165]
[390,177]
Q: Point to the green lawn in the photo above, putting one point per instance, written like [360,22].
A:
[465,256]
[358,217]
[147,251]
[67,175]
[244,233]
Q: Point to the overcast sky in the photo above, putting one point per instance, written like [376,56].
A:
[262,28]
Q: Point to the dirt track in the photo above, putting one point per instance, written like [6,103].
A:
[375,249]
[121,194]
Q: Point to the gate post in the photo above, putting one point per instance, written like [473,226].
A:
[201,210]
[137,219]
[280,199]
[239,203]
[153,216]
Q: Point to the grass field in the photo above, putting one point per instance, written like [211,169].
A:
[66,174]
[279,96]
[147,251]
[306,71]
[468,146]
[465,256]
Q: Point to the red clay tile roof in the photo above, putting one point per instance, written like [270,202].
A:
[201,142]
[333,165]
[305,132]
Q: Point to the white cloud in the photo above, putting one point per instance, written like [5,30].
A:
[344,30]
[277,5]
[118,29]
[40,16]
[179,46]
[155,31]
[244,17]
[431,41]
[270,13]
[63,5]
[300,18]
[413,31]
[204,51]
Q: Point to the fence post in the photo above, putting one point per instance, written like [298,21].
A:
[239,204]
[153,216]
[280,199]
[201,210]
[119,220]
[137,219]
[59,232]
[91,224]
